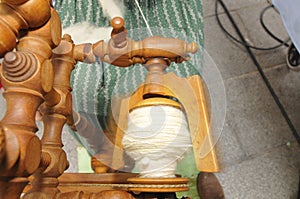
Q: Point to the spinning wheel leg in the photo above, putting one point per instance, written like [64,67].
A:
[209,187]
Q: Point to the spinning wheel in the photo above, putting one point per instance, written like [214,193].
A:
[36,74]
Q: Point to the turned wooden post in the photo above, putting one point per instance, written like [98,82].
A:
[23,148]
[56,108]
[26,76]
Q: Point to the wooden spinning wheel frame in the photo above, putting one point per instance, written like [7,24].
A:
[36,72]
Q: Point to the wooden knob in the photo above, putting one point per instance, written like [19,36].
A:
[10,57]
[117,23]
[119,32]
[19,66]
[192,47]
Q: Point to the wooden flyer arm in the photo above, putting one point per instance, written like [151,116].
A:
[124,52]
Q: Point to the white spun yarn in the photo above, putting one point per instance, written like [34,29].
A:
[85,32]
[157,138]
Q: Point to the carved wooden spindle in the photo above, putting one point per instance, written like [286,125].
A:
[26,76]
[56,109]
[23,99]
[154,84]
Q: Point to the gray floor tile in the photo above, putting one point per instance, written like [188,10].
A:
[229,149]
[254,116]
[251,18]
[231,59]
[247,19]
[272,58]
[259,37]
[271,175]
[286,85]
[209,5]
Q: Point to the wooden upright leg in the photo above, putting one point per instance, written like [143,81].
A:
[22,147]
[56,109]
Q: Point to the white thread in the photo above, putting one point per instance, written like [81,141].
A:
[144,18]
[157,138]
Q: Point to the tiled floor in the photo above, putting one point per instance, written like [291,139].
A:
[260,157]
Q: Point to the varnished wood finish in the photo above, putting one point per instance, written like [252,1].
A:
[2,145]
[93,183]
[56,108]
[24,81]
[36,75]
[12,188]
[105,194]
[160,185]
[200,125]
[90,182]
[119,32]
[123,52]
[21,78]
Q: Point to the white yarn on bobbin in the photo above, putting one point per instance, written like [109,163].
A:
[157,138]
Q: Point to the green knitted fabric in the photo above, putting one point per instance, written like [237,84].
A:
[169,18]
